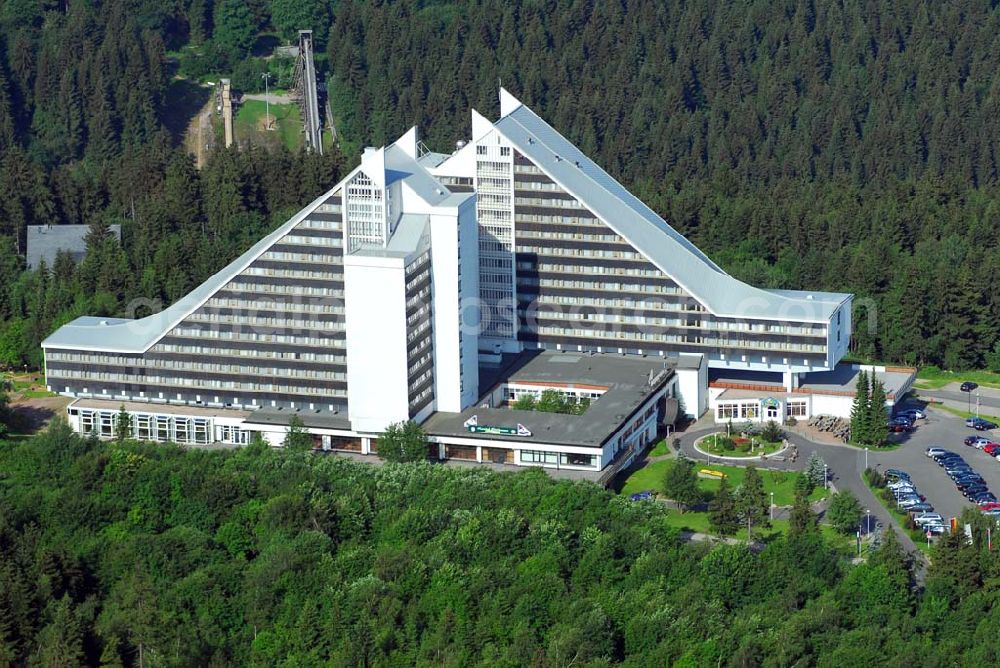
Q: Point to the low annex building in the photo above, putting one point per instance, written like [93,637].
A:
[404,291]
[749,397]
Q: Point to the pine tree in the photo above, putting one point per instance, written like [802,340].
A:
[859,411]
[751,499]
[816,470]
[802,519]
[878,432]
[123,425]
[722,515]
[680,483]
[297,438]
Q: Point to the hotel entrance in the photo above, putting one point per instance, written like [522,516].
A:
[772,408]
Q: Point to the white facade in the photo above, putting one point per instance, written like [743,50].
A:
[375,298]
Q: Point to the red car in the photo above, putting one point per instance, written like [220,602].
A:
[992,449]
[992,505]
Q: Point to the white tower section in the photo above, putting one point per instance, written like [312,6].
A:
[494,185]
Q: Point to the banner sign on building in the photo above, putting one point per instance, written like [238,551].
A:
[472,424]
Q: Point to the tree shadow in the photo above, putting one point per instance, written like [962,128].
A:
[184,99]
[31,418]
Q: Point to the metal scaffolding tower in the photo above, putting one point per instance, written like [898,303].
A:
[306,93]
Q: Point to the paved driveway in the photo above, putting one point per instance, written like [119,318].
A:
[989,398]
[847,463]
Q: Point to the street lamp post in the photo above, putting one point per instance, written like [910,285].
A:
[266,76]
[826,477]
[866,457]
[772,505]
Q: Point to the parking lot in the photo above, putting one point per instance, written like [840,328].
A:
[940,429]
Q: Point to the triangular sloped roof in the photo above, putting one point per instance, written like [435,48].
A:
[652,236]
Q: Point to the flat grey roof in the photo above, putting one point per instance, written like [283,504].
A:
[843,379]
[314,418]
[625,377]
[45,242]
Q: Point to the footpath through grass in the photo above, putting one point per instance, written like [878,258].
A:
[782,484]
[933,378]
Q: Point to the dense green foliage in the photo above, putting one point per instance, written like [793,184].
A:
[552,401]
[844,512]
[680,483]
[403,442]
[845,146]
[85,98]
[261,557]
[802,144]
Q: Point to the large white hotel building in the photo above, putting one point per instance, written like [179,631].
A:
[437,288]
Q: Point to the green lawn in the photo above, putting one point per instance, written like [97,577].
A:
[698,523]
[249,123]
[782,484]
[932,378]
[660,449]
[710,444]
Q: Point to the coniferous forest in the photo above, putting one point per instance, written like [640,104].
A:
[118,554]
[843,146]
[840,146]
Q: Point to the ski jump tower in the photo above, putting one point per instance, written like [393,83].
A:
[306,92]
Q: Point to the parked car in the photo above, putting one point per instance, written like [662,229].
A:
[970,477]
[969,386]
[913,414]
[642,496]
[985,497]
[948,458]
[956,470]
[922,507]
[935,529]
[970,491]
[927,518]
[976,441]
[896,474]
[992,505]
[909,503]
[932,451]
[899,427]
[985,425]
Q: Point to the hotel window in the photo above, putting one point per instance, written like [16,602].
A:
[575,459]
[795,409]
[142,427]
[107,424]
[749,411]
[727,411]
[539,457]
[162,428]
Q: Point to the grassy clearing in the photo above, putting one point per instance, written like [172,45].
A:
[660,449]
[782,484]
[250,124]
[698,523]
[933,378]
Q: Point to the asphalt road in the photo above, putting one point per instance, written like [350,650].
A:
[989,399]
[847,463]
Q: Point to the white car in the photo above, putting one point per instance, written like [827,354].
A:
[931,452]
[913,414]
[929,518]
[906,503]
